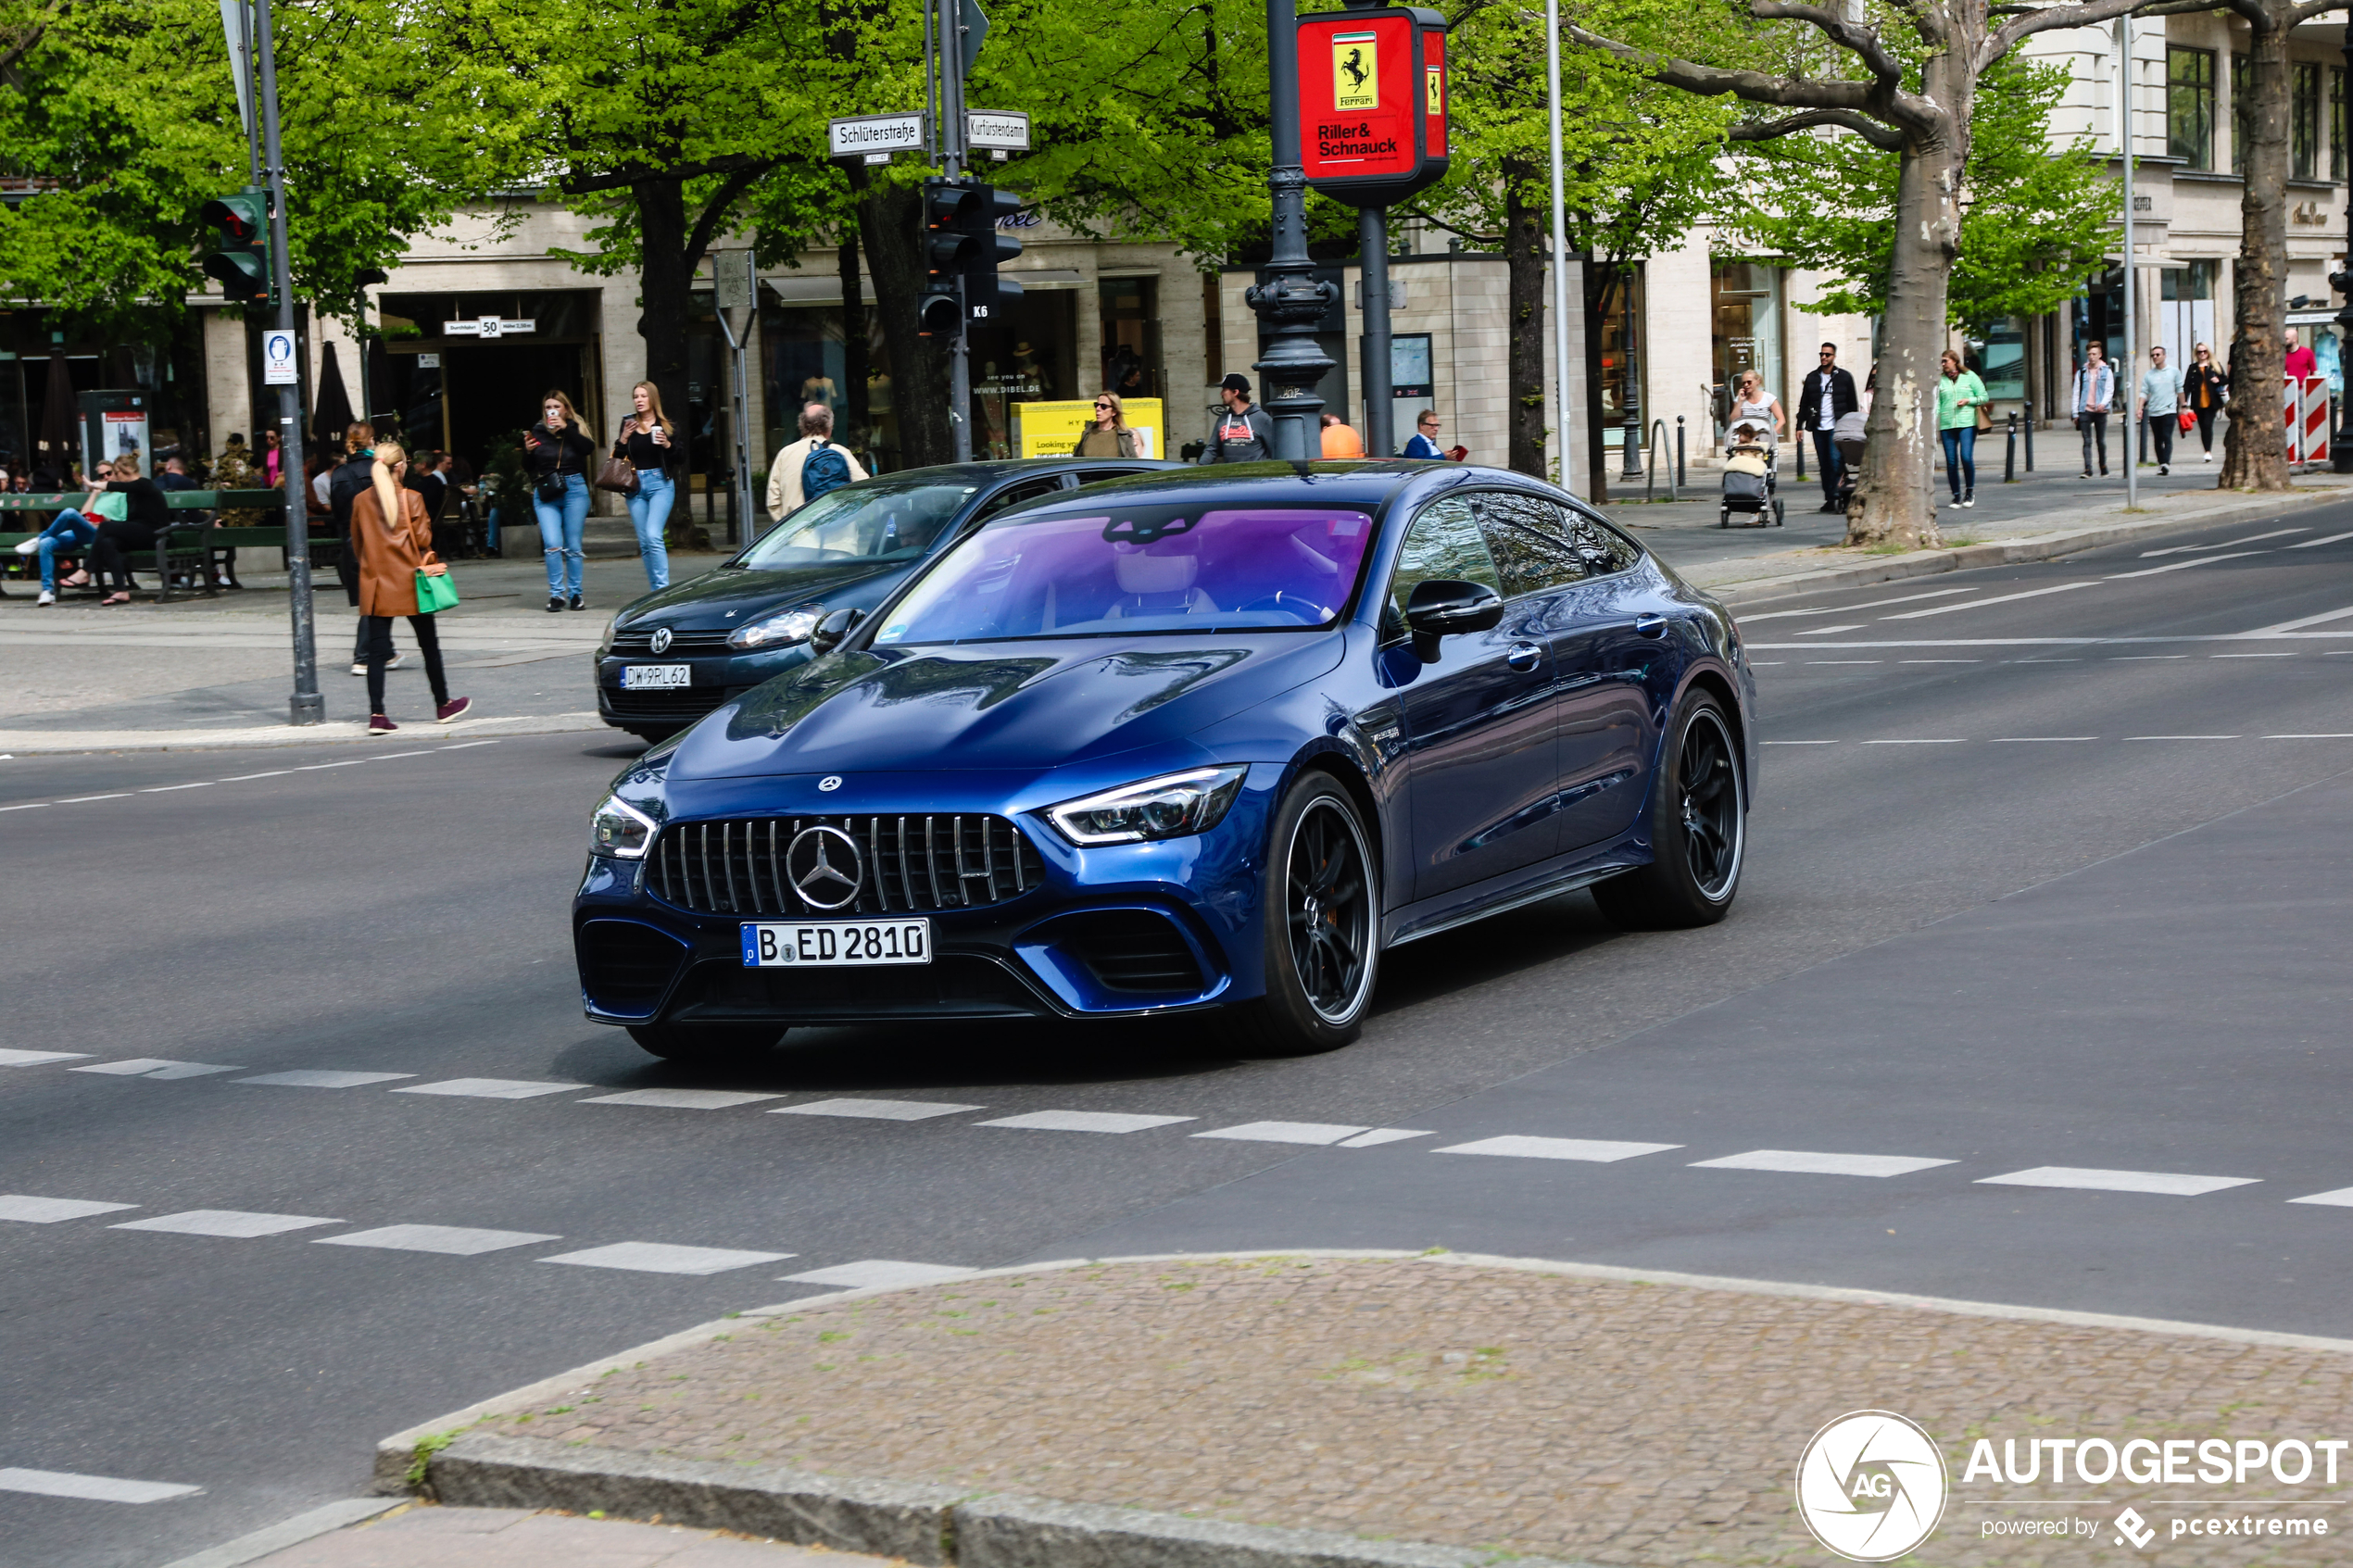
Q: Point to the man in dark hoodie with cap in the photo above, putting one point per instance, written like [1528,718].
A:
[1244,433]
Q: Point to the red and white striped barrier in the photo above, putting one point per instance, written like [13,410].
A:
[2304,407]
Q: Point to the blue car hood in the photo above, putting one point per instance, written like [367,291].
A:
[1010,706]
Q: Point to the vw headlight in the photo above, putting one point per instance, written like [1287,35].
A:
[778,630]
[620,829]
[1175,806]
[604,643]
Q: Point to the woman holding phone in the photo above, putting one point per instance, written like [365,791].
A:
[646,440]
[556,452]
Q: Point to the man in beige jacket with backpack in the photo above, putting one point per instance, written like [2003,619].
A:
[786,493]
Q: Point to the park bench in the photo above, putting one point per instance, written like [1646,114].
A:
[192,547]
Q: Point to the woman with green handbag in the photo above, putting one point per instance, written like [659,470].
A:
[399,574]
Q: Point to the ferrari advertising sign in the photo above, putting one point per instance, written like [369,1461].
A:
[1372,102]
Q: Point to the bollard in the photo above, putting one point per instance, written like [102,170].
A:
[2029,435]
[1682,475]
[2009,452]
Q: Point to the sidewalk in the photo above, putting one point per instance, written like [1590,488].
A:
[1366,1409]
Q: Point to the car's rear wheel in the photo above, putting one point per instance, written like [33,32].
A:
[1322,922]
[1699,821]
[705,1045]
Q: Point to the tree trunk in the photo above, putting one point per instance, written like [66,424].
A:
[2254,444]
[853,350]
[888,220]
[1893,501]
[1524,341]
[664,286]
[1597,275]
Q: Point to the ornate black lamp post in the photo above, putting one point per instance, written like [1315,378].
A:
[2341,443]
[1290,303]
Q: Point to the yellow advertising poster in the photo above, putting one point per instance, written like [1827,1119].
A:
[1051,429]
[1355,70]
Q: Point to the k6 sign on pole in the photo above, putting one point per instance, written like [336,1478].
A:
[1372,103]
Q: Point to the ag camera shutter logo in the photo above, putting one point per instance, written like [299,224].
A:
[1871,1485]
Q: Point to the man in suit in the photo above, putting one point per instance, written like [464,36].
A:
[1828,393]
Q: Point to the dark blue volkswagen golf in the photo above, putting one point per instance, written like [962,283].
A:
[1206,740]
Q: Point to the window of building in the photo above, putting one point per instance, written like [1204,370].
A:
[2336,122]
[1131,336]
[2189,105]
[2304,122]
[2186,309]
[1747,327]
[1621,314]
[2241,95]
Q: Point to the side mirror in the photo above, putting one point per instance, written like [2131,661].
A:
[833,629]
[1442,606]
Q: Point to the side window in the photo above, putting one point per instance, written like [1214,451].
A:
[1601,547]
[1444,542]
[1014,496]
[1524,534]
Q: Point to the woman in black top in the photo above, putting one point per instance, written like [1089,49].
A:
[145,513]
[2205,391]
[647,439]
[556,452]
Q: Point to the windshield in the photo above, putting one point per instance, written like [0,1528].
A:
[878,520]
[1143,569]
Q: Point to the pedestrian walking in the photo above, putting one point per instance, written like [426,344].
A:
[2301,361]
[1244,433]
[1340,440]
[2204,389]
[2089,400]
[648,439]
[1960,397]
[1107,434]
[353,474]
[1828,395]
[811,466]
[556,452]
[1752,405]
[2161,405]
[398,549]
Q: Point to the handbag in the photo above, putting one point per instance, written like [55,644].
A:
[435,593]
[2189,421]
[618,475]
[1984,420]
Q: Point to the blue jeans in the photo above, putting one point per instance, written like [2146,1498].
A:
[561,523]
[1826,454]
[650,507]
[1960,458]
[71,530]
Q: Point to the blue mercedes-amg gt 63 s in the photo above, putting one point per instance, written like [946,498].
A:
[1208,740]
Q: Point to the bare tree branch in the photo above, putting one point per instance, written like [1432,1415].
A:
[1871,130]
[638,173]
[2074,13]
[1882,100]
[1864,41]
[715,211]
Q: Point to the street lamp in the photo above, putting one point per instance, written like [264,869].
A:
[1291,302]
[2341,443]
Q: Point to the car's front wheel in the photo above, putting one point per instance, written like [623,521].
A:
[1322,922]
[1699,821]
[704,1045]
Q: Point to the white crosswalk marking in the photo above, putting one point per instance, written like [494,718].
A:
[874,1272]
[2163,1182]
[35,1059]
[1799,1162]
[153,1067]
[93,1488]
[2343,1196]
[1517,1146]
[657,1258]
[681,1099]
[49,1211]
[455,1240]
[1085,1122]
[1384,1134]
[314,1078]
[876,1109]
[225,1222]
[488,1088]
[1285,1132]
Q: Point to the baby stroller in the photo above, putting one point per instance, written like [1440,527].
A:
[1847,435]
[1752,478]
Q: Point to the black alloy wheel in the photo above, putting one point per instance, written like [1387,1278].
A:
[1323,926]
[1699,824]
[706,1045]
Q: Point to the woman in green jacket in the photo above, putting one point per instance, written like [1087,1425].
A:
[1959,394]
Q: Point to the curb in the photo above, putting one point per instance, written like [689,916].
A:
[310,1526]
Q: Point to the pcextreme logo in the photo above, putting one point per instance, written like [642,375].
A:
[1871,1485]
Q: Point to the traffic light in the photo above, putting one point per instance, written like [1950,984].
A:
[948,250]
[984,288]
[243,261]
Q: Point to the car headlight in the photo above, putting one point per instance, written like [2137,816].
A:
[1175,806]
[778,630]
[604,643]
[620,829]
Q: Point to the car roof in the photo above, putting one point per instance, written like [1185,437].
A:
[993,470]
[1368,483]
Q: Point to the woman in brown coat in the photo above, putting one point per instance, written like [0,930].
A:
[390,557]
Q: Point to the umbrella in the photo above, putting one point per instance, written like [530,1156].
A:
[334,408]
[59,447]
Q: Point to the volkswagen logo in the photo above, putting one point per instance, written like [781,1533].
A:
[660,642]
[824,868]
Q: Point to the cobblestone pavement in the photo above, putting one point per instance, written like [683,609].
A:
[1482,1406]
[504,1537]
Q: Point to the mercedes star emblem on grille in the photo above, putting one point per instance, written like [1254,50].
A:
[659,641]
[825,868]
[830,783]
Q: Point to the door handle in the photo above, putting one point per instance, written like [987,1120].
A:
[1524,657]
[1650,626]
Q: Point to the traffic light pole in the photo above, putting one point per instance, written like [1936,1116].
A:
[952,147]
[307,707]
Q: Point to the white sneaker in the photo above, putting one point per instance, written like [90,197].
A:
[2162,470]
[29,546]
[359,669]
[46,598]
[395,662]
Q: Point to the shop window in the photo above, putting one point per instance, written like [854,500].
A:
[2000,359]
[1026,353]
[1131,338]
[2304,122]
[2189,105]
[1747,326]
[1621,314]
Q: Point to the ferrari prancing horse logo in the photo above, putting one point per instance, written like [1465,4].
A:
[1355,70]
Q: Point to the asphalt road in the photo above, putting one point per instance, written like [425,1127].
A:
[2048,880]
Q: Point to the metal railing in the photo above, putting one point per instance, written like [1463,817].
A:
[1654,454]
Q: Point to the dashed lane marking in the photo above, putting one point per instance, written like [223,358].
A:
[1085,1122]
[1798,743]
[2030,740]
[1980,604]
[681,1099]
[489,1089]
[2309,544]
[2167,1182]
[1953,740]
[2180,737]
[876,1109]
[37,1059]
[660,1258]
[2343,1196]
[1517,1146]
[1323,1134]
[225,1222]
[80,799]
[155,1067]
[1799,1162]
[2251,539]
[455,1241]
[874,1271]
[2182,565]
[318,1078]
[91,1488]
[28,1210]
[1826,631]
[2252,656]
[2340,734]
[1849,609]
